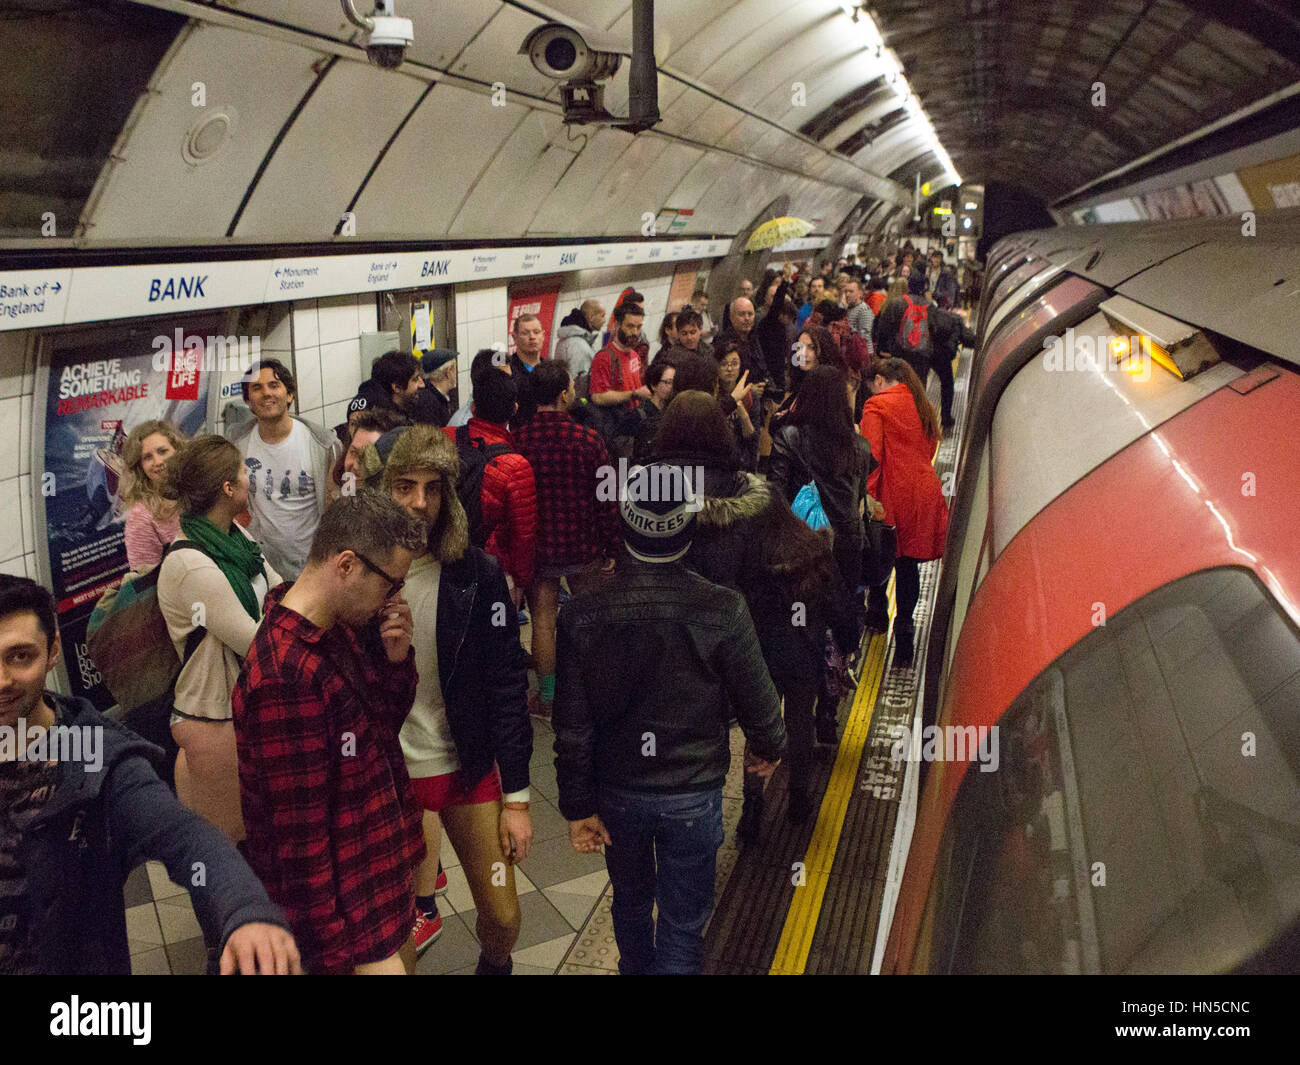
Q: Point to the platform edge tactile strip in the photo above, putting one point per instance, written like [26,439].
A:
[844,939]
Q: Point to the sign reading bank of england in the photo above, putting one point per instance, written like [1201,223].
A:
[30,298]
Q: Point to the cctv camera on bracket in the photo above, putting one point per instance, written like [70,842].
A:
[387,36]
[581,59]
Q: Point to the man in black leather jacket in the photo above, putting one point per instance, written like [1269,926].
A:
[642,737]
[472,691]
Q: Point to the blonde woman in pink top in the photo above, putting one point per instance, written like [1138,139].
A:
[152,522]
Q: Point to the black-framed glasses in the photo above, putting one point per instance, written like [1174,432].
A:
[394,583]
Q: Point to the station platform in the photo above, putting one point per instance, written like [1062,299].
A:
[762,922]
[815,898]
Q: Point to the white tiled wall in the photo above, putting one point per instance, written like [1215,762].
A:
[326,347]
[481,311]
[652,280]
[17,396]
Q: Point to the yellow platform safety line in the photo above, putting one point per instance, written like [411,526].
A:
[795,944]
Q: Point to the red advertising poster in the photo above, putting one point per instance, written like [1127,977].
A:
[538,301]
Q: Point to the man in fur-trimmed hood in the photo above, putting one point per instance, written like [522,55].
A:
[468,738]
[412,451]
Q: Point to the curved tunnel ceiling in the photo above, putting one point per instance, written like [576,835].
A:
[295,128]
[1009,84]
[759,99]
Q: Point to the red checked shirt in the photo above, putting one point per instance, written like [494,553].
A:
[333,827]
[577,521]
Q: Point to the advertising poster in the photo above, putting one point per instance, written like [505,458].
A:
[683,286]
[538,301]
[97,390]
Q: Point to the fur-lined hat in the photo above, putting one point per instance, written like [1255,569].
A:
[426,449]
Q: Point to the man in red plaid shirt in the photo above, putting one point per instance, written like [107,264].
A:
[577,531]
[333,828]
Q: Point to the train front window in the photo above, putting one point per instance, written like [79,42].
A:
[1145,815]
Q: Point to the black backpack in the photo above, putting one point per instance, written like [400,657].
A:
[474,459]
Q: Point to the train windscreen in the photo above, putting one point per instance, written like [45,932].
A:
[1144,815]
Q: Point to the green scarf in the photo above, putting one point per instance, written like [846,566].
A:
[236,555]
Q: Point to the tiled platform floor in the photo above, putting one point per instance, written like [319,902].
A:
[564,896]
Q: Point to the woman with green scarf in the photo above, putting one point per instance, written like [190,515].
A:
[216,582]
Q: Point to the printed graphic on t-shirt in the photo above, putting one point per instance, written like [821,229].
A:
[282,496]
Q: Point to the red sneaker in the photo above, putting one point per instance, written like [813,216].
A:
[426,930]
[440,885]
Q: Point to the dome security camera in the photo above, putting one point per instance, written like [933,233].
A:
[387,36]
[566,54]
[387,43]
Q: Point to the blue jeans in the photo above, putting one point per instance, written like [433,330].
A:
[665,850]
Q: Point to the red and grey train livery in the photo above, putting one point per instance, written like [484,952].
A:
[1120,598]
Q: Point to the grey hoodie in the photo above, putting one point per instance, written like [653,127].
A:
[577,346]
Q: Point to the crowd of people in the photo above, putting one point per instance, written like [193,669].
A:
[346,610]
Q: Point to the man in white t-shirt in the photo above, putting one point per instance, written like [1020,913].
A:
[288,462]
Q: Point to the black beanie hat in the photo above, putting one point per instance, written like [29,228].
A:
[657,506]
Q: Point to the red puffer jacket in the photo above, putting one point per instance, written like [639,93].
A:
[905,481]
[509,499]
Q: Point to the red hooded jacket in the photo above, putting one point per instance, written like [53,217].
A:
[905,481]
[509,501]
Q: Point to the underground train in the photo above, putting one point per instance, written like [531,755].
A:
[1120,602]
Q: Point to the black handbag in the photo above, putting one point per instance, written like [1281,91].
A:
[879,547]
[879,552]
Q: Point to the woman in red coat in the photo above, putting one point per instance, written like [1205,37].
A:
[902,428]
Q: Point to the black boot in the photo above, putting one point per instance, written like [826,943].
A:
[876,618]
[904,648]
[750,817]
[798,805]
[826,731]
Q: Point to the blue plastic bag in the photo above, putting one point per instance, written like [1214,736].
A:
[807,506]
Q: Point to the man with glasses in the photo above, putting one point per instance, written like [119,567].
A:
[468,739]
[333,827]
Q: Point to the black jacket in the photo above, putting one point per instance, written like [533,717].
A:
[657,655]
[775,340]
[752,358]
[747,538]
[431,408]
[99,825]
[522,374]
[482,670]
[798,458]
[648,417]
[947,330]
